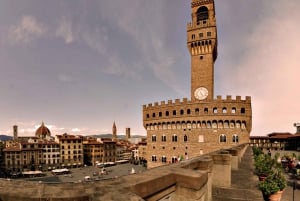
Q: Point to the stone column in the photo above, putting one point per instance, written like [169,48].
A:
[234,159]
[206,164]
[221,172]
[190,185]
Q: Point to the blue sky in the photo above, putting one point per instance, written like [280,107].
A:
[81,65]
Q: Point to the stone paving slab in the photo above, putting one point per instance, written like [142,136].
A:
[290,193]
[243,183]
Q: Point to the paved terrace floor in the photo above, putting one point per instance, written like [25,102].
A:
[244,184]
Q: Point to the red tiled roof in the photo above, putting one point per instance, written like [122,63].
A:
[14,148]
[259,137]
[297,135]
[69,137]
[279,134]
[42,131]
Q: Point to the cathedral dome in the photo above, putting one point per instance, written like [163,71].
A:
[42,131]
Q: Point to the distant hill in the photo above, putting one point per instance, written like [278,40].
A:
[5,137]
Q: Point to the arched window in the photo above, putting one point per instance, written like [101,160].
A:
[174,138]
[232,124]
[153,138]
[205,110]
[169,126]
[226,124]
[189,125]
[233,110]
[167,113]
[238,124]
[173,125]
[208,124]
[197,111]
[203,124]
[163,138]
[154,158]
[202,14]
[185,138]
[178,125]
[194,124]
[243,125]
[220,124]
[164,126]
[222,138]
[181,112]
[188,111]
[224,110]
[174,112]
[235,138]
[153,115]
[215,110]
[214,124]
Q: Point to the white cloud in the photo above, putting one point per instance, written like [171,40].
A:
[26,30]
[148,33]
[76,130]
[96,39]
[65,31]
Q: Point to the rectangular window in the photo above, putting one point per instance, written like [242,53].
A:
[200,35]
[209,34]
[201,138]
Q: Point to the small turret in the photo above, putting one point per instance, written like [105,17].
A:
[297,125]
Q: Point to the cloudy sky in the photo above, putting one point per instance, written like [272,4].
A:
[81,65]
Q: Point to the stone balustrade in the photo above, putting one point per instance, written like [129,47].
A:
[189,180]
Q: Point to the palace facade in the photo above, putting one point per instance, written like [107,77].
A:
[187,128]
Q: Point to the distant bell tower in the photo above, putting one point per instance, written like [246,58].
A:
[127,133]
[114,131]
[15,130]
[202,45]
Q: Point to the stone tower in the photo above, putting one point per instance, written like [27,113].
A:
[127,133]
[114,131]
[15,130]
[181,129]
[202,45]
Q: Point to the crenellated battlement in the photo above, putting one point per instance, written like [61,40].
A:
[196,3]
[186,101]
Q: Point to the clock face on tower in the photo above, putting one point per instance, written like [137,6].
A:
[201,93]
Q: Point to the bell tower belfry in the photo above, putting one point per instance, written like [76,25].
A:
[202,45]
